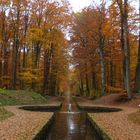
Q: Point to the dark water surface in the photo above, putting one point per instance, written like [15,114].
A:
[71,124]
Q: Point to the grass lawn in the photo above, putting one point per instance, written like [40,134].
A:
[135,117]
[4,114]
[20,97]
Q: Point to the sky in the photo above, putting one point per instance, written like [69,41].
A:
[77,5]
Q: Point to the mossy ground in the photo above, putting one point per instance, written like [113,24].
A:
[20,97]
[4,114]
[135,117]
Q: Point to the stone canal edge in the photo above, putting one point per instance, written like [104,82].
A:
[25,124]
[99,130]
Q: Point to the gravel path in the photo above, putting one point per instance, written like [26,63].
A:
[115,124]
[24,125]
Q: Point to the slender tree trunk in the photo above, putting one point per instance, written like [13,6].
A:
[122,47]
[4,54]
[81,85]
[36,56]
[16,44]
[137,72]
[120,4]
[46,71]
[87,82]
[94,82]
[125,44]
[26,18]
[53,75]
[111,74]
[87,86]
[15,58]
[23,67]
[103,69]
[47,67]
[53,82]
[127,49]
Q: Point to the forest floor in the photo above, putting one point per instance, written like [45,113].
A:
[24,125]
[123,125]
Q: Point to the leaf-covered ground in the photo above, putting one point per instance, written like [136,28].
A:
[24,125]
[123,125]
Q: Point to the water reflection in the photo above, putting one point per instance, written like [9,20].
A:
[71,125]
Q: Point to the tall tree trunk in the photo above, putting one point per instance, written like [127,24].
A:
[122,47]
[36,56]
[103,67]
[111,74]
[127,49]
[120,4]
[94,82]
[26,18]
[47,67]
[15,61]
[87,82]
[81,85]
[53,75]
[46,71]
[125,44]
[87,86]
[16,46]
[23,67]
[53,86]
[137,72]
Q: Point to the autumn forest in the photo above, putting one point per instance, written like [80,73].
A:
[48,48]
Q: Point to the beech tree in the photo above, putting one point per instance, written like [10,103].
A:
[28,44]
[99,39]
[35,53]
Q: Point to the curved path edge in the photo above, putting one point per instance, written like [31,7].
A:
[24,125]
[116,125]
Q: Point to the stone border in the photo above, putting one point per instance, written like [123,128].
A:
[102,134]
[49,108]
[41,134]
[98,109]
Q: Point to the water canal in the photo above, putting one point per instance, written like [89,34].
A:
[71,124]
